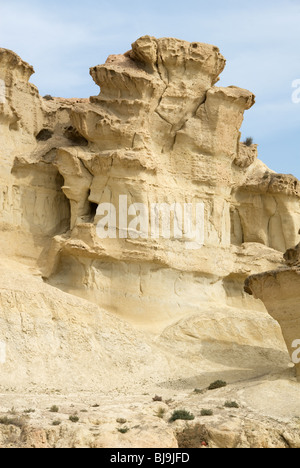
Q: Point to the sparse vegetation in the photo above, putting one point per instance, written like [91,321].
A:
[198,391]
[54,409]
[74,418]
[121,421]
[48,97]
[123,430]
[157,398]
[231,404]
[56,423]
[217,384]
[29,411]
[248,141]
[17,422]
[5,421]
[169,401]
[207,412]
[193,437]
[83,411]
[183,415]
[161,412]
[96,406]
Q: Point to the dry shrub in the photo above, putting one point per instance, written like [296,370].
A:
[193,437]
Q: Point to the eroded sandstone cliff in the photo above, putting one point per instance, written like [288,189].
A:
[160,131]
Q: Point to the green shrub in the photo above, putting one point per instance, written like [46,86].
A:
[231,404]
[217,384]
[123,430]
[56,423]
[160,413]
[74,418]
[183,415]
[17,422]
[248,141]
[54,409]
[207,412]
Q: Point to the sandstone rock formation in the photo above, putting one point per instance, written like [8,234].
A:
[79,311]
[279,291]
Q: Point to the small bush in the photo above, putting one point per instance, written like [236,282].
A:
[198,391]
[96,406]
[29,411]
[157,398]
[123,430]
[183,415]
[248,141]
[17,422]
[160,413]
[54,409]
[73,418]
[48,97]
[192,437]
[231,404]
[56,423]
[5,421]
[207,412]
[217,384]
[121,421]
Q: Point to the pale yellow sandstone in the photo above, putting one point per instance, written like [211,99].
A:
[279,291]
[78,312]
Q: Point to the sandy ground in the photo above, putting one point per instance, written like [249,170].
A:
[270,403]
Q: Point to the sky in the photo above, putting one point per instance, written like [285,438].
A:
[62,39]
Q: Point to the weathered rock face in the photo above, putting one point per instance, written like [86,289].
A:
[279,291]
[160,132]
[273,201]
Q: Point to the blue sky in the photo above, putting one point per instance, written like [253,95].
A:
[259,39]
